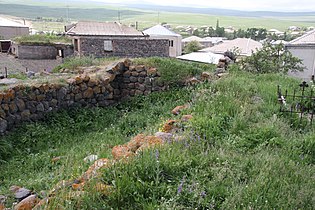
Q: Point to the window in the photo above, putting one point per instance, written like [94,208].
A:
[170,43]
[108,45]
[76,47]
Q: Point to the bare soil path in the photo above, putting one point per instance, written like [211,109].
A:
[15,65]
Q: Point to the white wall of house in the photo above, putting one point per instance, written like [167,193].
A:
[307,54]
[175,44]
[9,32]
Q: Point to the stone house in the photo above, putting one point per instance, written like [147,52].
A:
[105,39]
[304,48]
[174,39]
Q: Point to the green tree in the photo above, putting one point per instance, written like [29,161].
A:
[240,33]
[192,46]
[196,32]
[272,59]
[219,30]
[211,32]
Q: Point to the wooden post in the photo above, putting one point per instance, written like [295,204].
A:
[6,72]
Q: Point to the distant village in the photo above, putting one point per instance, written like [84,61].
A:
[204,44]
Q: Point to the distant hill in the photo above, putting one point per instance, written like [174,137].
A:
[220,12]
[147,15]
[29,11]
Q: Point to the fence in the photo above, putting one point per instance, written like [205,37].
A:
[300,105]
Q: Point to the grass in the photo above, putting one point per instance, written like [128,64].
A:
[238,152]
[42,39]
[72,63]
[172,70]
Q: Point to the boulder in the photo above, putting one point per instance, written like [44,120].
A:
[27,203]
[151,141]
[136,142]
[22,193]
[192,81]
[121,152]
[3,125]
[206,76]
[88,93]
[140,68]
[152,72]
[14,188]
[169,126]
[164,136]
[178,109]
[2,199]
[92,170]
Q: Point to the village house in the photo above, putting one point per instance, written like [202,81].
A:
[10,29]
[174,39]
[304,48]
[104,39]
[245,46]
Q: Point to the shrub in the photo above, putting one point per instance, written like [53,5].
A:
[272,59]
[192,46]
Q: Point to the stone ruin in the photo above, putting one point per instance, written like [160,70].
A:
[24,103]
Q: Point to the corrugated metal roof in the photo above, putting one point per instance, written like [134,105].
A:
[89,28]
[160,30]
[308,38]
[246,46]
[6,22]
[204,57]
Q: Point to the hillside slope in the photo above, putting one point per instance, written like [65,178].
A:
[237,152]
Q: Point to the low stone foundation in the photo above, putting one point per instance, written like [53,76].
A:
[122,80]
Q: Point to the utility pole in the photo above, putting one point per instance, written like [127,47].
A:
[158,17]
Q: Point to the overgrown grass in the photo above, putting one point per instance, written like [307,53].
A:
[174,71]
[73,63]
[42,39]
[238,152]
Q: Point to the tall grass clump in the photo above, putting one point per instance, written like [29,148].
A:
[174,71]
[72,63]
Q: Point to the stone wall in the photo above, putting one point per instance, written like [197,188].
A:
[35,52]
[24,103]
[124,47]
[41,52]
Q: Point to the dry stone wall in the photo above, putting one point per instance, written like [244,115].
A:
[122,80]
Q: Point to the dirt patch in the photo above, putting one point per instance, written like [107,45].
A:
[15,65]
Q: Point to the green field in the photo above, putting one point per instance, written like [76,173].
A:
[146,18]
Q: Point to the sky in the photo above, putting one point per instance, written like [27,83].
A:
[250,5]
